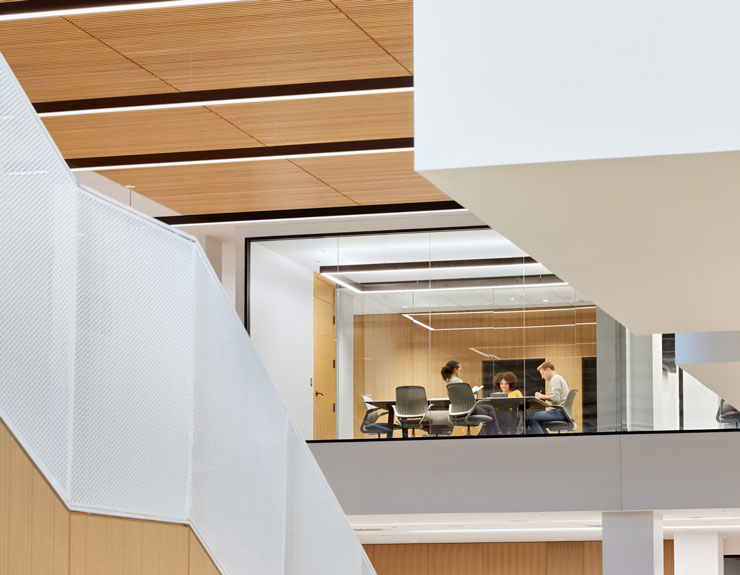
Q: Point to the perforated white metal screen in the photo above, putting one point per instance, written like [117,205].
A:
[239,437]
[37,275]
[129,379]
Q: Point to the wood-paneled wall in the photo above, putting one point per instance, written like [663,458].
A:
[536,558]
[390,350]
[40,536]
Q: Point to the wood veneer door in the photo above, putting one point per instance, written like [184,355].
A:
[324,359]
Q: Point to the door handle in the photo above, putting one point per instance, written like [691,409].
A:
[318,393]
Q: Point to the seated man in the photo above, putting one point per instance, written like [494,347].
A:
[558,389]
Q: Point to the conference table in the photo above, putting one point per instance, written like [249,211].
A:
[517,405]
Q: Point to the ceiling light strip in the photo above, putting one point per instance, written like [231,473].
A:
[31,9]
[255,154]
[228,96]
[497,311]
[454,288]
[490,327]
[430,265]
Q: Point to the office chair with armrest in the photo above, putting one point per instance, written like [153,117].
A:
[412,407]
[727,413]
[462,404]
[370,424]
[567,409]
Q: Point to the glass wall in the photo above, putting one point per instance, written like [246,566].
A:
[355,331]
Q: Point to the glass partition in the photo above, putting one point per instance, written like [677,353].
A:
[372,320]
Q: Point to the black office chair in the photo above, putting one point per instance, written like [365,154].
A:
[370,424]
[727,413]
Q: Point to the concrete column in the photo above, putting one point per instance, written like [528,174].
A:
[698,553]
[632,543]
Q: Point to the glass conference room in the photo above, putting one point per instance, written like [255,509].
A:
[365,315]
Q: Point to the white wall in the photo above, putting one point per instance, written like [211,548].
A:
[281,329]
[699,404]
[629,472]
[500,82]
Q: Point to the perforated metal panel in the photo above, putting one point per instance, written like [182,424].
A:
[134,360]
[239,440]
[318,538]
[37,263]
[128,377]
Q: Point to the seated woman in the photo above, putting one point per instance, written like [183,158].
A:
[506,382]
[451,374]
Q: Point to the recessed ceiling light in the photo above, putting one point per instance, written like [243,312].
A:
[545,301]
[512,299]
[405,306]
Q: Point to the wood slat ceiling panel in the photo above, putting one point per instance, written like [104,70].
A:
[389,22]
[144,132]
[54,60]
[236,187]
[374,178]
[325,119]
[244,44]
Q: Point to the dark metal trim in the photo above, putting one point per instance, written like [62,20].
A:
[489,262]
[523,436]
[242,153]
[247,283]
[31,6]
[225,94]
[380,209]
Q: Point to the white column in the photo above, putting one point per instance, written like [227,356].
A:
[632,543]
[698,553]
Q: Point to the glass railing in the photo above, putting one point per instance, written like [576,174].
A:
[453,333]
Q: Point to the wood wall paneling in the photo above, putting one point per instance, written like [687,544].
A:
[119,546]
[565,557]
[532,558]
[515,558]
[200,562]
[40,536]
[34,523]
[446,558]
[324,359]
[411,559]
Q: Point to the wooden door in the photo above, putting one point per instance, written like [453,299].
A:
[324,359]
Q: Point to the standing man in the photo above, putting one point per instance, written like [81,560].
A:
[558,389]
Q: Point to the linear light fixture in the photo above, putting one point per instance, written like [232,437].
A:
[497,311]
[479,352]
[33,9]
[469,264]
[253,154]
[438,289]
[226,96]
[491,327]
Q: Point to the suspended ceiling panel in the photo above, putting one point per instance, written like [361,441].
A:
[54,59]
[237,187]
[234,126]
[245,44]
[374,178]
[281,184]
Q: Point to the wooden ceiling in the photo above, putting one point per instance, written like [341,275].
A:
[234,45]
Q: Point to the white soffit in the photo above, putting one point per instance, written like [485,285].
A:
[721,378]
[651,240]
